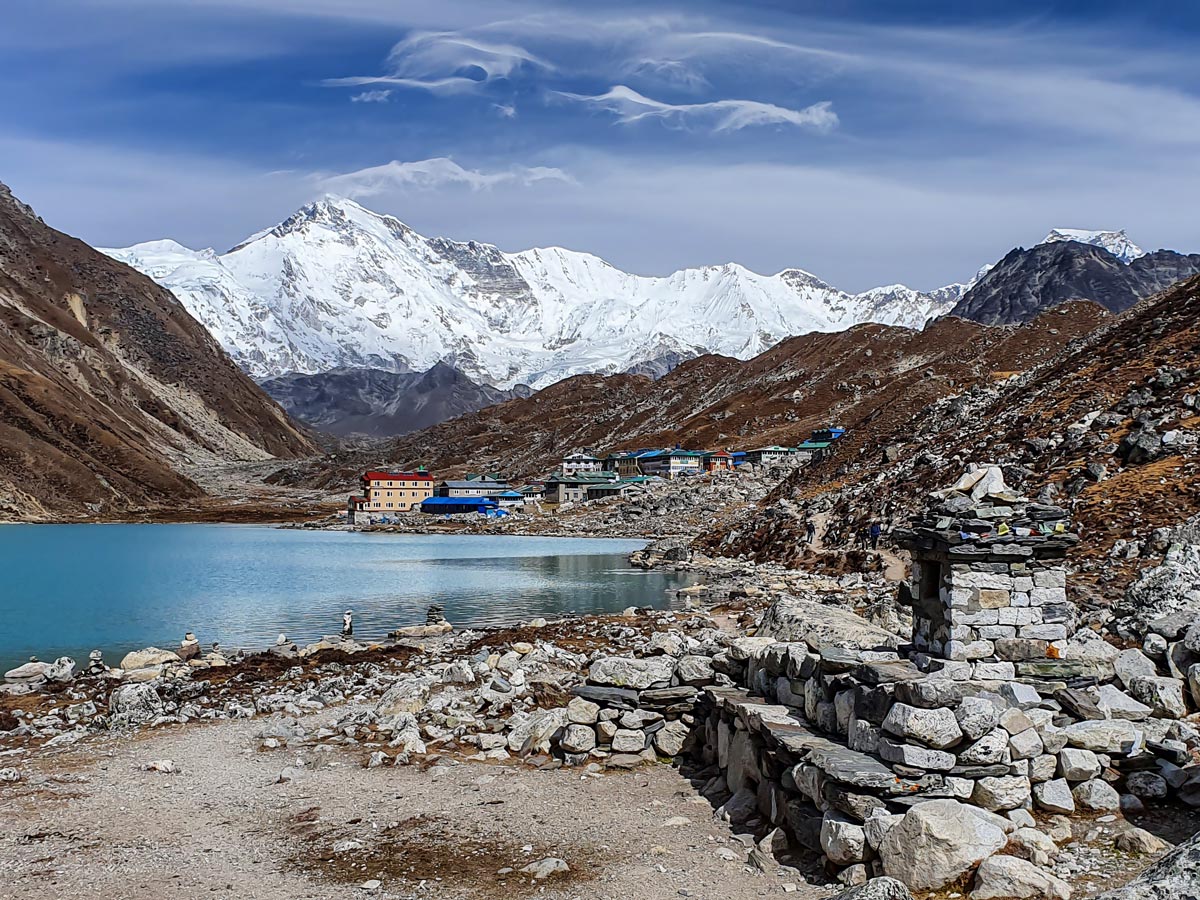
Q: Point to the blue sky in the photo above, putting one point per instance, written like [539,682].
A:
[884,142]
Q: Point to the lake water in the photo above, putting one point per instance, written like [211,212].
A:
[66,589]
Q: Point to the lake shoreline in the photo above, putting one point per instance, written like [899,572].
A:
[135,585]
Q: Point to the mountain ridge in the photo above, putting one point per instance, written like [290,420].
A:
[109,390]
[338,286]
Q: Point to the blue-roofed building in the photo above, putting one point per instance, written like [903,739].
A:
[671,463]
[444,506]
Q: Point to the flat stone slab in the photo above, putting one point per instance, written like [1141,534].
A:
[783,727]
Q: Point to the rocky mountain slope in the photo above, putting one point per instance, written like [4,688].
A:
[1025,282]
[108,386]
[1107,427]
[868,373]
[338,286]
[378,403]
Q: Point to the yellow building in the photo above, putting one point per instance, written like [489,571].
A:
[385,493]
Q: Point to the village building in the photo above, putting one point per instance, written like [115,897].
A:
[581,464]
[812,451]
[471,487]
[625,463]
[771,456]
[718,461]
[508,499]
[387,493]
[574,488]
[534,492]
[446,506]
[671,463]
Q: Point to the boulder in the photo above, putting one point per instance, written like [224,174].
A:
[1113,703]
[987,751]
[578,739]
[1163,695]
[1131,664]
[1054,796]
[407,696]
[1165,590]
[935,727]
[1078,765]
[1005,792]
[627,740]
[1004,877]
[1173,877]
[626,672]
[30,671]
[1112,736]
[1036,846]
[1147,785]
[976,717]
[135,704]
[583,712]
[1097,796]
[694,670]
[883,888]
[61,670]
[842,840]
[535,733]
[151,656]
[939,841]
[817,625]
[669,739]
[1139,840]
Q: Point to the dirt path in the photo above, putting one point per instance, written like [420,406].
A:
[89,821]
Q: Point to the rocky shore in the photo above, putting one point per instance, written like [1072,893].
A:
[843,733]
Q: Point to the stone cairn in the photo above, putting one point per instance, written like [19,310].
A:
[922,760]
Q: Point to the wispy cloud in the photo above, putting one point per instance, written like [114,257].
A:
[448,61]
[371,97]
[722,115]
[433,173]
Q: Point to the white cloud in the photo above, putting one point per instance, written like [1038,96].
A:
[371,97]
[447,62]
[432,173]
[505,110]
[723,115]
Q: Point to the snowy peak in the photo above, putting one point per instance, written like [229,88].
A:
[335,285]
[1115,242]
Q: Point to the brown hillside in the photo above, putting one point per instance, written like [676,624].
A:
[106,383]
[869,374]
[1107,427]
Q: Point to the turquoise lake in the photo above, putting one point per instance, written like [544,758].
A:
[66,589]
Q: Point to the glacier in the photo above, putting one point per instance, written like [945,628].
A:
[336,285]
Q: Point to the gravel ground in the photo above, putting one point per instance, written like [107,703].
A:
[89,820]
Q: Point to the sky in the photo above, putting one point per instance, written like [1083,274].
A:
[867,141]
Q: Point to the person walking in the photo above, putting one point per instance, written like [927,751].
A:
[810,531]
[348,623]
[876,531]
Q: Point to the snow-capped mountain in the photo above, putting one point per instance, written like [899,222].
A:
[336,285]
[1115,242]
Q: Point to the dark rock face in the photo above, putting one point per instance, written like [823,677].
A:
[382,404]
[662,365]
[1026,282]
[105,379]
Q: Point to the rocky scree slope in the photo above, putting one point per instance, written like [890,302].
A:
[378,403]
[107,384]
[1025,282]
[1107,427]
[868,373]
[338,286]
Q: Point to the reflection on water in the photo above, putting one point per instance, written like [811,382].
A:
[68,588]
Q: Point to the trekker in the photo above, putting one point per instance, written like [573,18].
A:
[348,623]
[876,531]
[810,531]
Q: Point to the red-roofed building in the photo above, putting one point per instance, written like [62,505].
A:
[388,493]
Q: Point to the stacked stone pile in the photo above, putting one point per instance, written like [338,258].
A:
[839,745]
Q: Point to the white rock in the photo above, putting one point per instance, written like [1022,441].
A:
[939,841]
[1011,878]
